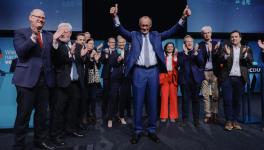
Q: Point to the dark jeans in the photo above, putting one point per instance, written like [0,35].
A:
[233,90]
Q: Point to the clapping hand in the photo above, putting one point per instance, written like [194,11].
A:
[73,48]
[84,51]
[196,48]
[217,45]
[227,50]
[185,50]
[119,58]
[261,44]
[114,10]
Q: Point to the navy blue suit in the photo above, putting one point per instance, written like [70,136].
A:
[191,76]
[31,59]
[145,79]
[33,77]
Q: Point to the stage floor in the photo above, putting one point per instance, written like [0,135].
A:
[172,135]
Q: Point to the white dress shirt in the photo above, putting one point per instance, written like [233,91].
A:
[169,62]
[235,71]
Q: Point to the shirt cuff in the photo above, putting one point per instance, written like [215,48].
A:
[226,56]
[117,21]
[181,22]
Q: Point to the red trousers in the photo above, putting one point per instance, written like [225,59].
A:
[169,97]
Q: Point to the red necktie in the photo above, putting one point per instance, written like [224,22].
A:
[39,40]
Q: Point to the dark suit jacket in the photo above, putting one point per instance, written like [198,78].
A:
[106,66]
[117,68]
[63,64]
[135,37]
[245,63]
[31,59]
[215,56]
[191,67]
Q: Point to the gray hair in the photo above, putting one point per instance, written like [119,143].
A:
[36,10]
[206,28]
[65,24]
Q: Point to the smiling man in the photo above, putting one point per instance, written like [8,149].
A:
[33,78]
[145,60]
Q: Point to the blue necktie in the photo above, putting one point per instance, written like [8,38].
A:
[146,51]
[74,73]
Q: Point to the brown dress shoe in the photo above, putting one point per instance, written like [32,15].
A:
[229,126]
[237,126]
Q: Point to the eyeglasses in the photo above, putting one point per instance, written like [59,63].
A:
[39,17]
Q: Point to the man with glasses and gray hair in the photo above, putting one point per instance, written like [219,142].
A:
[209,49]
[33,78]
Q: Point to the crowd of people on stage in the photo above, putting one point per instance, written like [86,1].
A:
[54,71]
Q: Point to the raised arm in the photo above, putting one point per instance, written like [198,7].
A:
[166,34]
[125,33]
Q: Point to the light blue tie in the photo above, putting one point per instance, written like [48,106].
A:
[74,73]
[146,51]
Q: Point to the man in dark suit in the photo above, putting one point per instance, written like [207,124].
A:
[261,45]
[69,83]
[235,59]
[145,60]
[33,78]
[111,42]
[120,87]
[209,49]
[191,64]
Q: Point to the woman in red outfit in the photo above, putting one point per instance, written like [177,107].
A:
[169,85]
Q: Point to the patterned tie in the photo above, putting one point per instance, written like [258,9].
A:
[39,40]
[146,51]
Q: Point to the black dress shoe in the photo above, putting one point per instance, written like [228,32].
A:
[44,145]
[135,138]
[58,141]
[154,137]
[76,134]
[196,123]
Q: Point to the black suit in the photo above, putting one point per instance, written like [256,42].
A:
[120,86]
[68,91]
[106,80]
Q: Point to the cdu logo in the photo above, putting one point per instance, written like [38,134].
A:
[254,70]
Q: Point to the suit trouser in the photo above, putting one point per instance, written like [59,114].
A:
[119,96]
[145,81]
[190,92]
[28,99]
[92,89]
[233,90]
[106,89]
[169,96]
[65,109]
[210,105]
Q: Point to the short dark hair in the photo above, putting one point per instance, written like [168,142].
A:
[236,31]
[79,34]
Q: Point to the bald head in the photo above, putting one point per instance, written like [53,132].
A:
[37,19]
[145,24]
